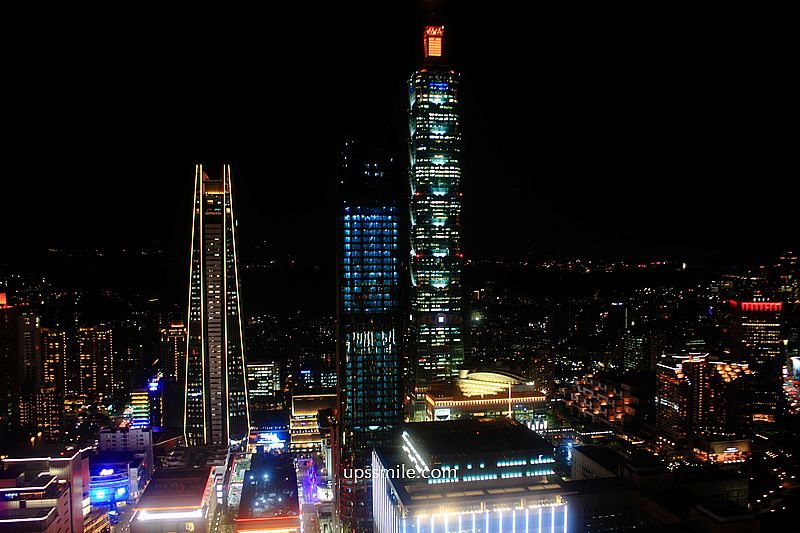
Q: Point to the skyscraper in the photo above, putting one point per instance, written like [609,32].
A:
[369,324]
[173,361]
[50,399]
[96,347]
[756,340]
[30,367]
[9,382]
[216,410]
[435,209]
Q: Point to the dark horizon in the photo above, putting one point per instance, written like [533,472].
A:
[586,131]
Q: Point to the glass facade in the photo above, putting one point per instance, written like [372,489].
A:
[370,404]
[216,410]
[435,209]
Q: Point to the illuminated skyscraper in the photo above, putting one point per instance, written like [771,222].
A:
[216,410]
[695,396]
[30,367]
[435,180]
[173,350]
[96,347]
[9,382]
[50,398]
[756,340]
[369,324]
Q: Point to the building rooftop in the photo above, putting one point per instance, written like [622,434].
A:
[28,513]
[45,454]
[196,457]
[269,489]
[605,457]
[102,460]
[475,435]
[311,404]
[184,488]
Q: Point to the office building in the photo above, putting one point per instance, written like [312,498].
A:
[263,383]
[30,367]
[435,212]
[468,475]
[304,430]
[216,410]
[40,474]
[369,321]
[756,340]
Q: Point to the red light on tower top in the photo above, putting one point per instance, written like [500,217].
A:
[433,41]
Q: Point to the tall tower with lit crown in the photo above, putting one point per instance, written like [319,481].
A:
[216,410]
[435,213]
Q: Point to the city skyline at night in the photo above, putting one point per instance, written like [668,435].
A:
[486,269]
[614,91]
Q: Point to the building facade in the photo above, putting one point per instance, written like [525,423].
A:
[96,348]
[216,410]
[756,340]
[435,216]
[369,322]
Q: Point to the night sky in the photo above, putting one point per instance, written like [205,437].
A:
[586,130]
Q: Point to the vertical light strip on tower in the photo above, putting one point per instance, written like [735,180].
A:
[216,408]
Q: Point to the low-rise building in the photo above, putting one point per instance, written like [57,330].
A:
[176,500]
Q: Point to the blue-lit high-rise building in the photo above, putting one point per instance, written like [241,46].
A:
[435,210]
[369,325]
[215,407]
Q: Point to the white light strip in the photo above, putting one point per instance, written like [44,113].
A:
[179,515]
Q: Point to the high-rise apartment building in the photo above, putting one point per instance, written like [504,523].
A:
[756,340]
[369,323]
[173,350]
[435,211]
[96,348]
[9,384]
[30,367]
[216,410]
[696,396]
